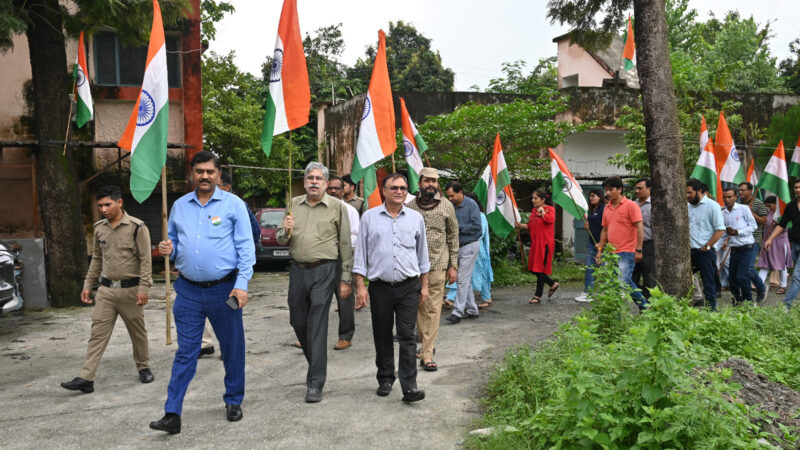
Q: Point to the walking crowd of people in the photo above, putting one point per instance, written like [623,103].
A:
[408,259]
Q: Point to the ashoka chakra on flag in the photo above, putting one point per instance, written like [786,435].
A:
[147,110]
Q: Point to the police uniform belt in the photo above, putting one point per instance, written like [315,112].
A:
[130,282]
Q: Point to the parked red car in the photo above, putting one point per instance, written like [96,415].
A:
[268,250]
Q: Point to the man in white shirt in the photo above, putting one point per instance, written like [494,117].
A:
[739,227]
[347,317]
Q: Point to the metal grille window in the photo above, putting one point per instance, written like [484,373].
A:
[118,65]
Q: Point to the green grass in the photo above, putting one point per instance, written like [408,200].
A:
[514,274]
[610,379]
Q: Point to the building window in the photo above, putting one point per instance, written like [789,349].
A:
[118,65]
[569,81]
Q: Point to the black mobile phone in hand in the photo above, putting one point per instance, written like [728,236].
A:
[233,302]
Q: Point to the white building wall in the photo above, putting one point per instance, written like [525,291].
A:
[587,154]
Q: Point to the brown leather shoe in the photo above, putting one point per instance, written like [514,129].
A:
[342,344]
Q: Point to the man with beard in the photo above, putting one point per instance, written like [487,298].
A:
[349,195]
[317,229]
[706,226]
[441,228]
[211,242]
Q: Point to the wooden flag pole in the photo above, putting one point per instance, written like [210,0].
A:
[393,168]
[289,201]
[69,119]
[164,237]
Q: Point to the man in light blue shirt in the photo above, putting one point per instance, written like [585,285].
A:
[739,226]
[211,242]
[706,226]
[392,252]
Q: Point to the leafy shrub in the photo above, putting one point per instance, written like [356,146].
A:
[612,380]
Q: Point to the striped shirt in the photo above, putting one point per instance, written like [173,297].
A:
[441,227]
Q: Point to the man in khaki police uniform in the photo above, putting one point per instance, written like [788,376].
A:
[441,228]
[317,229]
[121,265]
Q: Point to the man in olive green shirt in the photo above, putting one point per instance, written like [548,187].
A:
[317,230]
[441,229]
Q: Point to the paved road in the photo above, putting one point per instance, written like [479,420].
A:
[38,350]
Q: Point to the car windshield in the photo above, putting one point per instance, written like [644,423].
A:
[271,219]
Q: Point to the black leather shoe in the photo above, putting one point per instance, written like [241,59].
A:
[414,395]
[79,384]
[171,423]
[384,390]
[452,318]
[313,395]
[206,351]
[146,376]
[234,412]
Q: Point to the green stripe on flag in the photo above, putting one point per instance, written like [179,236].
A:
[269,126]
[563,199]
[356,172]
[82,113]
[499,224]
[421,145]
[149,157]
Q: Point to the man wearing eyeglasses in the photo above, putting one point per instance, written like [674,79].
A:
[347,316]
[392,253]
[317,229]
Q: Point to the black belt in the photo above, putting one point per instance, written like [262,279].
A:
[205,284]
[131,282]
[395,283]
[742,247]
[311,265]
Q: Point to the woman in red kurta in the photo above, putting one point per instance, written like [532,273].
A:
[541,227]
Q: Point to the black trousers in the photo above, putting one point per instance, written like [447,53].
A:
[541,279]
[310,295]
[644,272]
[347,309]
[400,301]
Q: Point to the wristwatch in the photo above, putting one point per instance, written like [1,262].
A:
[708,247]
[346,282]
[639,250]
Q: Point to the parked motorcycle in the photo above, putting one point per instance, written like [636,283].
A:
[10,277]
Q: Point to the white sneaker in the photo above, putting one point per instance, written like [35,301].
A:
[583,298]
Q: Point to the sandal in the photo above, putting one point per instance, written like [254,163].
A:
[781,291]
[553,289]
[485,304]
[429,366]
[534,301]
[447,304]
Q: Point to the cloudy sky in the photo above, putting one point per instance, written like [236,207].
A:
[473,37]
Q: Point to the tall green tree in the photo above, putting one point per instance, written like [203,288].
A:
[515,81]
[662,130]
[790,68]
[46,25]
[462,141]
[413,65]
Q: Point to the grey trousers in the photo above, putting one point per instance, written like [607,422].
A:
[310,295]
[347,308]
[465,300]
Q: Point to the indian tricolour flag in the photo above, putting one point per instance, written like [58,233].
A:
[706,168]
[629,48]
[776,178]
[376,136]
[494,191]
[146,134]
[289,98]
[567,193]
[84,110]
[413,147]
[731,171]
[794,165]
[703,133]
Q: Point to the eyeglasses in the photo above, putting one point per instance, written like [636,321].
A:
[334,188]
[315,177]
[397,188]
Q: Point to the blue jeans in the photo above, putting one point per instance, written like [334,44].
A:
[753,274]
[627,260]
[588,277]
[739,277]
[795,287]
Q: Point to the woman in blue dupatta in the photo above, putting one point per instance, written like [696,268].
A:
[482,274]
